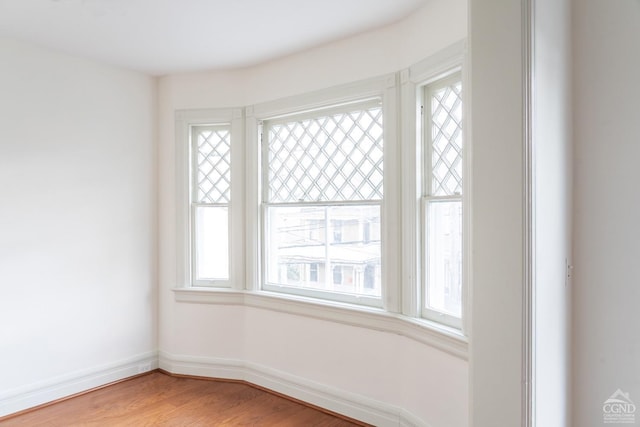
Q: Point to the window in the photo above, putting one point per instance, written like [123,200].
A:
[313,272]
[442,207]
[210,198]
[322,179]
[337,275]
[337,230]
[366,232]
[209,191]
[369,276]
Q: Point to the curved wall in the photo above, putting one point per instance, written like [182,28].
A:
[372,375]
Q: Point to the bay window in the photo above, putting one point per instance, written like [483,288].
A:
[350,200]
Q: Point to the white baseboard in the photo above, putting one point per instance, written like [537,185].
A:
[31,395]
[349,404]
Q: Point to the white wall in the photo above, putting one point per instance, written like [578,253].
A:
[606,293]
[552,209]
[499,168]
[495,37]
[77,224]
[389,368]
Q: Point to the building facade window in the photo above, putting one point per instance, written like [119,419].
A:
[313,272]
[337,230]
[337,275]
[322,180]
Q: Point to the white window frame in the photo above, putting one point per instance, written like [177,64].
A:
[383,88]
[186,121]
[414,80]
[427,198]
[313,293]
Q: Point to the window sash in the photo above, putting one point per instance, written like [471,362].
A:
[364,105]
[195,204]
[428,199]
[222,177]
[196,234]
[359,105]
[440,316]
[339,296]
[428,173]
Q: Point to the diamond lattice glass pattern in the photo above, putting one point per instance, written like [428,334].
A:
[213,157]
[446,134]
[337,157]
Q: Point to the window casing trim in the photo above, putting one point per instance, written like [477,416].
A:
[382,88]
[429,199]
[322,201]
[185,121]
[413,81]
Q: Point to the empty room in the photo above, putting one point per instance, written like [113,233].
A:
[304,212]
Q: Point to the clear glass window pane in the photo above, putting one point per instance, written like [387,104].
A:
[444,257]
[303,251]
[211,243]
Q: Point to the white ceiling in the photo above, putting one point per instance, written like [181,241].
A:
[168,36]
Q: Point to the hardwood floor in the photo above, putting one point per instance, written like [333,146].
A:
[158,399]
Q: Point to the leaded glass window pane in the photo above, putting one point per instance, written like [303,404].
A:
[212,164]
[446,140]
[330,157]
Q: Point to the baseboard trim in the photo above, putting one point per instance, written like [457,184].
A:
[332,399]
[63,387]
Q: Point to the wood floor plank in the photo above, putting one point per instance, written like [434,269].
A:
[158,399]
